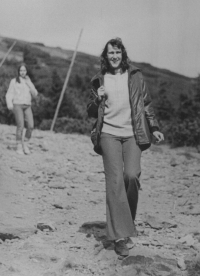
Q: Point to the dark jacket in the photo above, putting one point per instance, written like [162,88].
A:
[142,113]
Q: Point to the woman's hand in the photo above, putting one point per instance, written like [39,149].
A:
[28,81]
[101,92]
[10,107]
[31,86]
[159,136]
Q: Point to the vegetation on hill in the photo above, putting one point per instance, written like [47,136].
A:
[176,98]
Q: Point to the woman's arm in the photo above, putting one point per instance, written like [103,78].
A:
[10,95]
[31,86]
[150,115]
[149,111]
[92,107]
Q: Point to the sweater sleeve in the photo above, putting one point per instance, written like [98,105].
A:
[10,95]
[32,88]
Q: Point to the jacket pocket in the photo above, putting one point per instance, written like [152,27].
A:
[144,135]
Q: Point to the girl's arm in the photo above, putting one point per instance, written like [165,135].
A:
[10,95]
[31,86]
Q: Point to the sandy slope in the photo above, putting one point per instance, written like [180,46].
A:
[52,210]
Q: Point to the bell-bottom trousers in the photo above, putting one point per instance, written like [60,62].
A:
[121,159]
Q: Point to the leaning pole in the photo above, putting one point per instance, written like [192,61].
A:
[65,83]
[8,52]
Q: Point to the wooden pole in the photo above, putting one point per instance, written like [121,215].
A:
[66,82]
[10,49]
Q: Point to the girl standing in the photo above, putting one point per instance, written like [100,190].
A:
[18,99]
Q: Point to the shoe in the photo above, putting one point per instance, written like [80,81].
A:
[20,149]
[121,248]
[26,150]
[129,243]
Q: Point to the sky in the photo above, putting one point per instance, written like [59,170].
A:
[164,33]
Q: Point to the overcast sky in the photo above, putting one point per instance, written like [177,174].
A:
[164,33]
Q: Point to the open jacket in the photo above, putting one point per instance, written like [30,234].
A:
[143,118]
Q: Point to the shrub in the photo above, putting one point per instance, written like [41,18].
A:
[68,125]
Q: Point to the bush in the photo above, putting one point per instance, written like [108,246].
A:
[184,129]
[185,133]
[68,125]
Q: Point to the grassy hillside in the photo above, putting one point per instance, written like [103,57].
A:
[48,67]
[174,83]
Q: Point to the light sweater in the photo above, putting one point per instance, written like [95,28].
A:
[117,114]
[20,93]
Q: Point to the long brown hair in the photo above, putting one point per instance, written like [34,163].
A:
[18,71]
[115,42]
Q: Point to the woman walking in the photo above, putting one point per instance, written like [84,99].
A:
[125,121]
[18,99]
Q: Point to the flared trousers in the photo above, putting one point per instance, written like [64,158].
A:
[121,159]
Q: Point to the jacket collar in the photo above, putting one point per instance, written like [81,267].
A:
[97,76]
[132,69]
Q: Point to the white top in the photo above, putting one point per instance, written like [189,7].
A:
[117,115]
[20,93]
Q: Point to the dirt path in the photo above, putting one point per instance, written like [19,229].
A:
[52,210]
